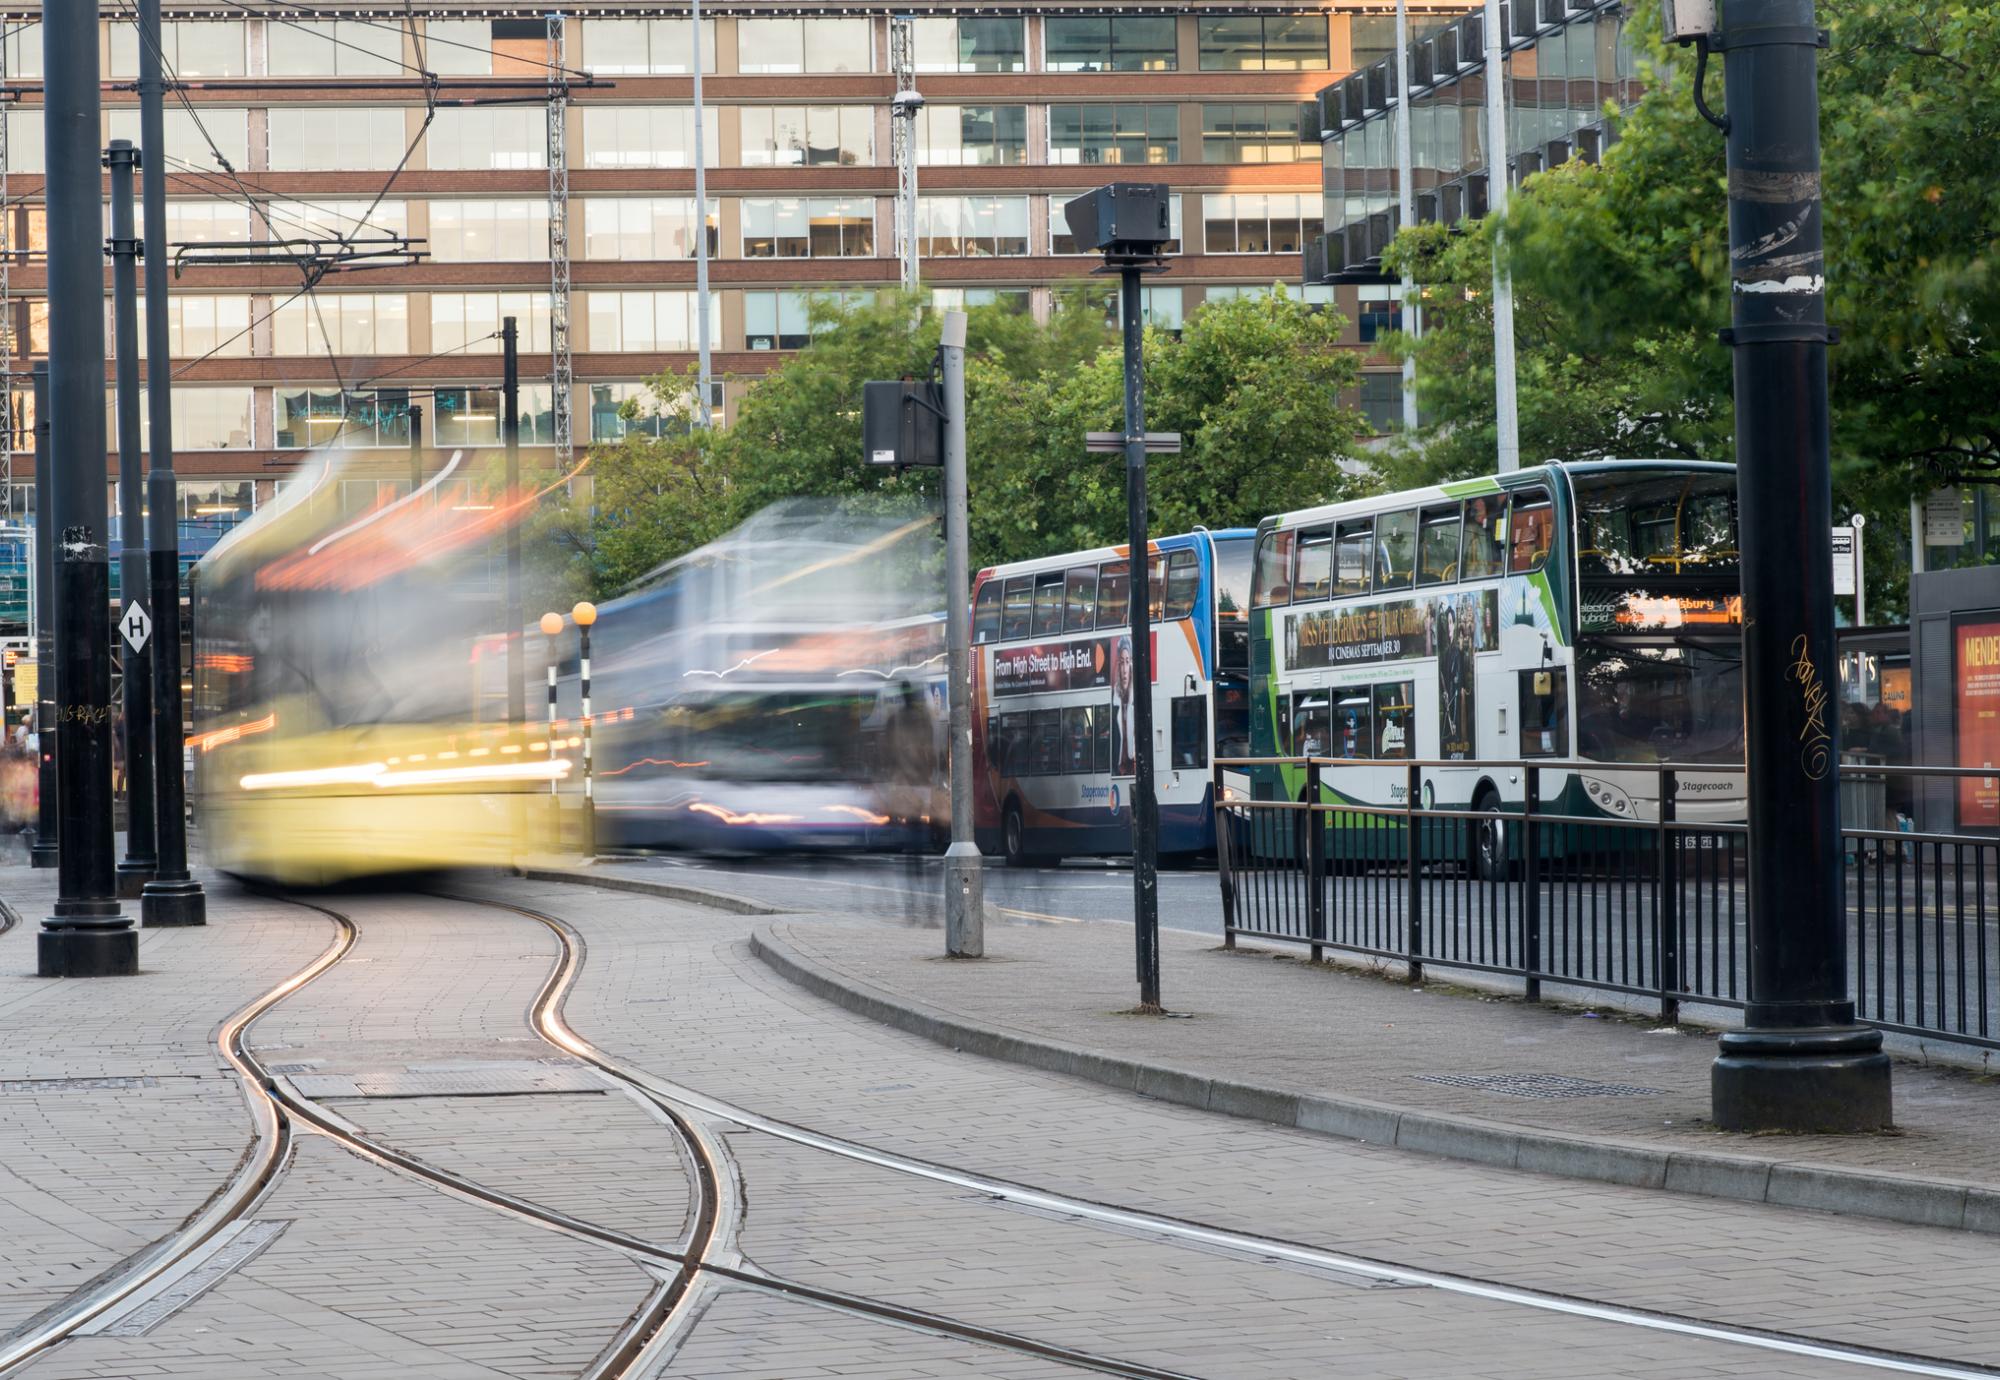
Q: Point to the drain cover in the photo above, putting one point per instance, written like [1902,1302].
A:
[1546,1085]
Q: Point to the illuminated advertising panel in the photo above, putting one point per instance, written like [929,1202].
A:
[1976,690]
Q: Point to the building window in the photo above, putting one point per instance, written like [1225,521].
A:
[1062,242]
[1016,301]
[204,418]
[333,48]
[199,327]
[469,322]
[618,410]
[1382,401]
[645,228]
[188,49]
[1312,294]
[21,49]
[972,135]
[1119,44]
[645,47]
[646,136]
[307,139]
[783,320]
[1122,134]
[472,416]
[489,231]
[484,47]
[1381,310]
[968,227]
[1259,223]
[342,323]
[648,322]
[206,222]
[484,137]
[1258,133]
[1372,37]
[797,228]
[189,145]
[1263,43]
[796,136]
[1159,307]
[773,47]
[334,220]
[970,45]
[373,418]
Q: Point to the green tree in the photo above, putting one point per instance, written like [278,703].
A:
[1621,274]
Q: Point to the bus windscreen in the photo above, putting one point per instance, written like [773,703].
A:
[1670,523]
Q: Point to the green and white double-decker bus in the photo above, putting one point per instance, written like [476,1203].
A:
[1583,615]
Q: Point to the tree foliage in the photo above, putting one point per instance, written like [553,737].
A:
[1621,273]
[1253,386]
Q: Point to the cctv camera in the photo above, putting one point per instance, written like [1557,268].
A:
[906,103]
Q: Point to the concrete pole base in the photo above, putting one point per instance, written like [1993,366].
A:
[964,902]
[1833,1080]
[178,904]
[94,952]
[132,878]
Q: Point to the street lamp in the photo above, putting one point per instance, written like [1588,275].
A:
[1129,223]
[585,614]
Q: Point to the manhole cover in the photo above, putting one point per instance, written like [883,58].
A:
[1536,1085]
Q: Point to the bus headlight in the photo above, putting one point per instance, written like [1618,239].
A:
[1607,797]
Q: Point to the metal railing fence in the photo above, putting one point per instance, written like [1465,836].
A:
[1651,907]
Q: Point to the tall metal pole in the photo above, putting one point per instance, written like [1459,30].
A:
[1506,415]
[964,882]
[416,447]
[134,622]
[87,935]
[43,854]
[1145,808]
[1799,1063]
[173,897]
[585,614]
[1405,177]
[705,370]
[510,390]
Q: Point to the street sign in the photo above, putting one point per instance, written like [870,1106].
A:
[1113,442]
[1944,518]
[1843,561]
[136,625]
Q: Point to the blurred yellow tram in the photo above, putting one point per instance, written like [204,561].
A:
[336,636]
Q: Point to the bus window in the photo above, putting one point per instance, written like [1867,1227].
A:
[1485,538]
[1533,525]
[1048,603]
[1393,726]
[1314,577]
[1352,541]
[1156,588]
[1080,601]
[1351,731]
[1437,551]
[1077,752]
[1101,731]
[1045,745]
[1312,724]
[1190,732]
[986,613]
[1271,584]
[1232,605]
[1232,719]
[1018,608]
[1283,747]
[1395,550]
[1545,712]
[1114,595]
[1183,584]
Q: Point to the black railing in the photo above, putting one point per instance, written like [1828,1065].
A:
[1645,900]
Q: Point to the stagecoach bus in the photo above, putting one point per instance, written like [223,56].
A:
[1583,614]
[1053,756]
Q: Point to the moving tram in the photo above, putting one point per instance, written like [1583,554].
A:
[336,727]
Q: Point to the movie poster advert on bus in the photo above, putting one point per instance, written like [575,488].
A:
[1978,703]
[1403,630]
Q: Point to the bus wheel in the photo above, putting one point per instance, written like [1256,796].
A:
[1490,860]
[1014,837]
